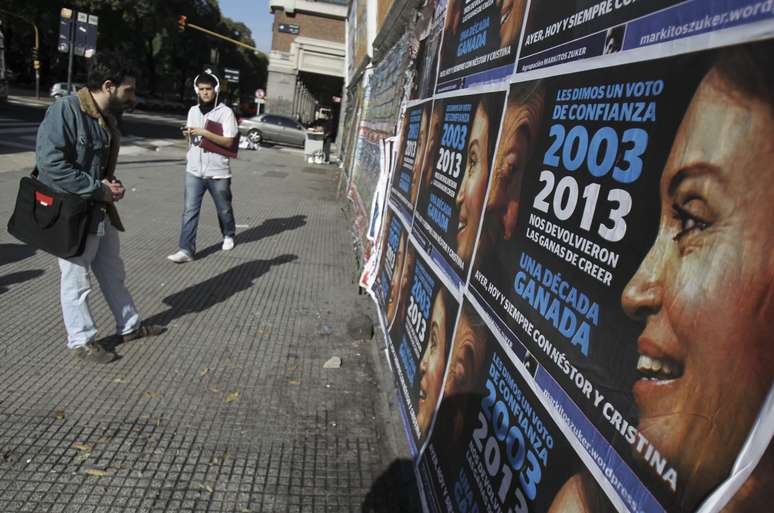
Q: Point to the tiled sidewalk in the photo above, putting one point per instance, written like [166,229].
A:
[230,410]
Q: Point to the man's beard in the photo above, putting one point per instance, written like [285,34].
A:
[115,105]
[205,107]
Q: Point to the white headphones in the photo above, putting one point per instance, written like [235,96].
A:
[210,73]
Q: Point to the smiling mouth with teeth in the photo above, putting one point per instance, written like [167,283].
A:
[658,369]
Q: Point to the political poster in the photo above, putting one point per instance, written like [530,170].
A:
[625,257]
[494,446]
[559,32]
[393,248]
[419,341]
[460,147]
[404,188]
[427,56]
[480,42]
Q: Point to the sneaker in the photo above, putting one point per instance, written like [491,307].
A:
[180,257]
[95,353]
[228,243]
[145,330]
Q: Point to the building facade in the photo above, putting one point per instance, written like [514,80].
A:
[307,60]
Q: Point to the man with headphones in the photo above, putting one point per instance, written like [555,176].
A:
[207,170]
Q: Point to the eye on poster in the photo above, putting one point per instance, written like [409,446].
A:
[494,447]
[625,254]
[420,338]
[460,147]
[480,41]
[404,189]
[559,32]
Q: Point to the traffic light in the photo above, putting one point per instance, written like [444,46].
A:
[181,22]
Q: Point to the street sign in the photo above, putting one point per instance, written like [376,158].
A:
[288,28]
[65,24]
[231,75]
[86,34]
[260,93]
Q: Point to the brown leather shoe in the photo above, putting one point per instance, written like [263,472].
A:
[94,352]
[145,330]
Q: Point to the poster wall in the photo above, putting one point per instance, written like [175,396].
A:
[427,58]
[561,32]
[576,281]
[462,132]
[404,188]
[419,340]
[494,446]
[480,39]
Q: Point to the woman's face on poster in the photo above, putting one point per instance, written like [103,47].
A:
[470,198]
[520,125]
[705,289]
[431,366]
[392,300]
[511,15]
[409,257]
[416,171]
[431,148]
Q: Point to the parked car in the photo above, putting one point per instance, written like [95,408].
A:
[59,89]
[273,128]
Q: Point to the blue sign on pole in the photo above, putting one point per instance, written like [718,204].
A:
[65,26]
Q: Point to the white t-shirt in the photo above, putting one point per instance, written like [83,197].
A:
[205,163]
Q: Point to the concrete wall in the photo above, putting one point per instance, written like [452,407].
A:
[280,88]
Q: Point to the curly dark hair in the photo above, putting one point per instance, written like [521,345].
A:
[111,66]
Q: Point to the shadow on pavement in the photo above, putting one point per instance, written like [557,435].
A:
[10,253]
[22,276]
[202,296]
[266,229]
[394,491]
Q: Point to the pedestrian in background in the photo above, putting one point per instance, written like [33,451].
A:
[76,152]
[329,129]
[207,170]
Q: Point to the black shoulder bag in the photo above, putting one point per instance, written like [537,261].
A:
[48,220]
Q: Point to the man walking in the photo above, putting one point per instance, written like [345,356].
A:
[76,152]
[207,170]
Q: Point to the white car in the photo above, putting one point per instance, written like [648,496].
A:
[59,89]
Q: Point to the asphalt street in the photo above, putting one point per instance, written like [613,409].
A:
[230,410]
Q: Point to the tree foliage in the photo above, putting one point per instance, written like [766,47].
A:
[146,32]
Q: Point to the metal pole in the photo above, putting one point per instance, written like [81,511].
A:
[37,63]
[70,53]
[221,36]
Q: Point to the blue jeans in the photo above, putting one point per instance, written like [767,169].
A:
[220,190]
[102,257]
